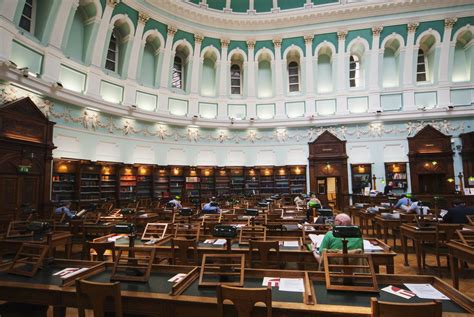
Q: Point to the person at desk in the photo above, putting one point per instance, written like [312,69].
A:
[211,207]
[312,203]
[176,202]
[416,207]
[330,242]
[458,213]
[388,188]
[299,202]
[66,210]
[404,201]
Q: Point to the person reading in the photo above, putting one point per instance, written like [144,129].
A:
[66,210]
[211,207]
[176,202]
[404,201]
[312,203]
[330,242]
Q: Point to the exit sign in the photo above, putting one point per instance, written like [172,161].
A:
[24,169]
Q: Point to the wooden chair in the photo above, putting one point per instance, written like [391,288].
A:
[248,233]
[187,231]
[466,236]
[244,299]
[180,251]
[263,248]
[100,248]
[389,309]
[96,294]
[470,219]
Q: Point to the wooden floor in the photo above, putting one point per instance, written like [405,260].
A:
[466,282]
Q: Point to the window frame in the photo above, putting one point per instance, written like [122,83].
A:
[424,64]
[240,80]
[354,59]
[180,72]
[116,38]
[298,82]
[32,18]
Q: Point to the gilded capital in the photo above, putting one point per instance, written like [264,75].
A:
[376,30]
[308,39]
[112,3]
[143,17]
[341,35]
[198,38]
[449,22]
[412,26]
[171,30]
[251,44]
[225,43]
[277,42]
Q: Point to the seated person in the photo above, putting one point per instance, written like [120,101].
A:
[211,207]
[332,243]
[416,207]
[65,209]
[404,201]
[458,213]
[388,188]
[299,202]
[312,203]
[177,202]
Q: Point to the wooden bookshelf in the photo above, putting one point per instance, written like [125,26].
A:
[144,181]
[193,185]
[361,177]
[397,174]
[161,179]
[108,182]
[128,183]
[267,181]
[282,180]
[222,182]
[89,183]
[64,181]
[297,179]
[177,179]
[237,180]
[208,183]
[252,184]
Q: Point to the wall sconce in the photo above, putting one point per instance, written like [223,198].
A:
[222,172]
[207,173]
[267,172]
[450,180]
[63,168]
[252,173]
[281,171]
[127,171]
[395,168]
[142,170]
[176,171]
[361,169]
[297,171]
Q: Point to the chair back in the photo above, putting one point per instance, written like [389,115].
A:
[389,309]
[244,299]
[263,248]
[180,249]
[100,248]
[96,294]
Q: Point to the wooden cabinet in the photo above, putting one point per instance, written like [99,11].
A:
[396,174]
[361,177]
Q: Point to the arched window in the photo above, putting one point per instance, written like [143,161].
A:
[421,70]
[354,71]
[112,53]
[28,15]
[293,77]
[235,80]
[463,57]
[177,77]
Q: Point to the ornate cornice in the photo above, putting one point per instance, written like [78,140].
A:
[412,26]
[449,22]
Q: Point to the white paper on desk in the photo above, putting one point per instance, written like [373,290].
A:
[316,239]
[426,291]
[209,241]
[114,238]
[69,272]
[271,281]
[220,242]
[291,285]
[287,217]
[370,247]
[177,278]
[291,244]
[398,291]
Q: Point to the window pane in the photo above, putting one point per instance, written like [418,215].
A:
[293,79]
[235,90]
[25,24]
[235,82]
[294,88]
[421,77]
[293,71]
[111,55]
[110,65]
[352,83]
[27,10]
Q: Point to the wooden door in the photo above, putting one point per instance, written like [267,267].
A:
[9,194]
[28,191]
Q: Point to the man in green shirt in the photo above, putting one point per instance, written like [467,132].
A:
[332,243]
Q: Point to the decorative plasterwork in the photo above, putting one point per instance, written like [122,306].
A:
[376,30]
[143,17]
[308,39]
[449,22]
[112,3]
[90,120]
[198,38]
[341,35]
[412,26]
[251,44]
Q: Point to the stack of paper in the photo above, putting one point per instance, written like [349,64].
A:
[114,238]
[177,278]
[69,272]
[316,239]
[291,244]
[209,241]
[370,247]
[220,242]
[426,291]
[398,291]
[285,284]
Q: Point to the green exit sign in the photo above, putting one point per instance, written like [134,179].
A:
[24,169]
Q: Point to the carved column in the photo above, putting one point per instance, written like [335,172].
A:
[166,69]
[251,68]
[308,40]
[445,48]
[62,25]
[408,70]
[100,44]
[374,60]
[136,46]
[279,89]
[341,61]
[224,69]
[197,62]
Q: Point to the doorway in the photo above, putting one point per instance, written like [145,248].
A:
[327,191]
[432,183]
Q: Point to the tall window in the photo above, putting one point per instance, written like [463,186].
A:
[235,80]
[177,79]
[112,53]
[421,66]
[293,77]
[27,20]
[354,71]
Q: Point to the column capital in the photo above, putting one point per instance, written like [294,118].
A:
[412,26]
[225,43]
[376,30]
[171,30]
[449,22]
[277,42]
[74,5]
[143,17]
[308,39]
[112,3]
[251,44]
[341,35]
[198,38]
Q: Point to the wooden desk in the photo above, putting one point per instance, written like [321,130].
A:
[92,229]
[158,295]
[52,240]
[458,253]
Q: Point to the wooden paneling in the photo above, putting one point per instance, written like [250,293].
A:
[467,154]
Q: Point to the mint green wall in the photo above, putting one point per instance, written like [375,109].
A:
[239,5]
[264,80]
[290,4]
[324,76]
[216,4]
[148,68]
[261,44]
[26,57]
[435,25]
[208,79]
[45,16]
[388,30]
[207,41]
[319,38]
[263,5]
[298,41]
[240,44]
[316,2]
[161,27]
[184,35]
[75,40]
[122,8]
[391,68]
[195,1]
[365,33]
[18,11]
[460,23]
[103,3]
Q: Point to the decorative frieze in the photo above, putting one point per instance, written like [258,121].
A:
[277,42]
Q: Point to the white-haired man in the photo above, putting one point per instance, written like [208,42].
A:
[332,243]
